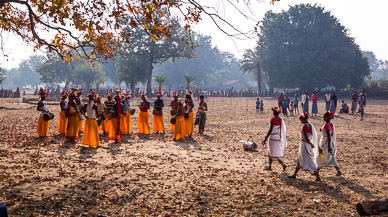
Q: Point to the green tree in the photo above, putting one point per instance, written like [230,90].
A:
[211,66]
[26,73]
[250,64]
[306,47]
[85,73]
[132,70]
[154,52]
[110,70]
[189,80]
[88,74]
[160,79]
[55,70]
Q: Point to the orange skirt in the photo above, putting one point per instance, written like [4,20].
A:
[72,128]
[43,126]
[128,116]
[107,124]
[190,123]
[179,130]
[91,136]
[102,126]
[62,123]
[80,125]
[124,123]
[172,127]
[112,133]
[158,123]
[144,123]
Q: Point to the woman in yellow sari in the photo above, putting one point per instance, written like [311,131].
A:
[62,123]
[158,120]
[91,135]
[174,108]
[144,116]
[189,110]
[73,119]
[114,132]
[43,125]
[100,110]
[125,124]
[79,105]
[179,129]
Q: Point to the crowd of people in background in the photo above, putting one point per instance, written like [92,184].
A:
[292,106]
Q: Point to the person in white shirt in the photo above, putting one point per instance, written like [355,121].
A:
[327,100]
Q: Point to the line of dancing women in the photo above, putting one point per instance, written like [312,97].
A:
[312,156]
[113,117]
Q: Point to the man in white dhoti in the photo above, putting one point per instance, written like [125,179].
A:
[277,139]
[308,148]
[328,144]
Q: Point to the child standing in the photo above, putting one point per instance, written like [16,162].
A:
[296,101]
[292,107]
[284,109]
[257,105]
[262,107]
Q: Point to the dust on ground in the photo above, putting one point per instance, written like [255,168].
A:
[210,175]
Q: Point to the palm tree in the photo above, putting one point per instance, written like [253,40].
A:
[160,79]
[251,64]
[189,80]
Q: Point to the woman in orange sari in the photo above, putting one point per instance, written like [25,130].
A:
[100,110]
[179,129]
[62,123]
[189,110]
[144,116]
[43,125]
[114,132]
[174,108]
[91,135]
[79,105]
[125,124]
[158,120]
[73,119]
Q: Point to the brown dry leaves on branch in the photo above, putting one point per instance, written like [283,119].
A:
[210,175]
[66,27]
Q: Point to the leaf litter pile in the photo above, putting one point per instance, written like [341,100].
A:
[210,175]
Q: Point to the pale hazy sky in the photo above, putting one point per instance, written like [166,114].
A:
[367,21]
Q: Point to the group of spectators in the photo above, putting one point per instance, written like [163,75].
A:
[331,101]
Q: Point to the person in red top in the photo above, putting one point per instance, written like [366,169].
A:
[277,139]
[314,100]
[354,100]
[308,148]
[280,100]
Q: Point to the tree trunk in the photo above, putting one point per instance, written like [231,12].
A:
[372,207]
[259,82]
[133,87]
[87,87]
[259,77]
[160,87]
[151,65]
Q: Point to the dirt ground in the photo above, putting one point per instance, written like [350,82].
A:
[210,175]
